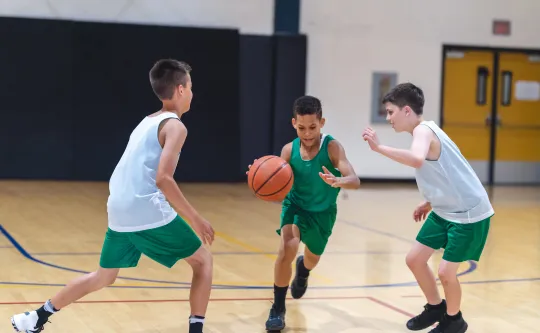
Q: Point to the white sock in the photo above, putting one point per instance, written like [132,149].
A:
[49,307]
[196,319]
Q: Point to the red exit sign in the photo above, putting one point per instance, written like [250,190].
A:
[501,27]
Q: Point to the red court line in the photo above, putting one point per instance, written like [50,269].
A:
[390,306]
[373,299]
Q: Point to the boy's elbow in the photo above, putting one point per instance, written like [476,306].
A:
[417,163]
[353,182]
[162,180]
[357,183]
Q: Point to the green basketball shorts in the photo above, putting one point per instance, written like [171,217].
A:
[315,227]
[461,241]
[165,245]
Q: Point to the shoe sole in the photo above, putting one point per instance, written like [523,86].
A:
[275,328]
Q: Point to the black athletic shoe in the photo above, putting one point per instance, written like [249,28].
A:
[276,320]
[299,284]
[451,325]
[428,317]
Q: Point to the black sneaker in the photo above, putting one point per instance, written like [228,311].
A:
[447,325]
[299,284]
[276,320]
[428,317]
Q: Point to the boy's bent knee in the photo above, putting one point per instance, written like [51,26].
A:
[291,245]
[288,249]
[418,255]
[448,272]
[413,260]
[104,277]
[202,257]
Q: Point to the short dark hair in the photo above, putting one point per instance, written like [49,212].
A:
[406,94]
[307,105]
[166,75]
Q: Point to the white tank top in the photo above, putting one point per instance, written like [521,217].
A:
[451,185]
[135,202]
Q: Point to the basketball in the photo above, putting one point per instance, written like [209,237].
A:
[270,178]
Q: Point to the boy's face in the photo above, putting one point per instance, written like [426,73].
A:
[308,127]
[185,95]
[397,117]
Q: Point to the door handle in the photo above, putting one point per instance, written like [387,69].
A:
[481,85]
[506,88]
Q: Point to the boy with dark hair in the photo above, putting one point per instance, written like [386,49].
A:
[460,207]
[321,169]
[142,207]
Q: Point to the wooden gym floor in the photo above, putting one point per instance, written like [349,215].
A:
[53,231]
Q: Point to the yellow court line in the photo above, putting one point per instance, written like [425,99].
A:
[229,283]
[251,248]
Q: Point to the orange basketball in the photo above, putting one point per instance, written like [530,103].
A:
[270,178]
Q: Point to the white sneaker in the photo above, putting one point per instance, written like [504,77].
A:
[26,322]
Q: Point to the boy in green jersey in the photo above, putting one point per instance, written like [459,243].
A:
[321,169]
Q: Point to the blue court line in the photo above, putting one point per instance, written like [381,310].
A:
[472,265]
[30,257]
[185,285]
[390,285]
[502,281]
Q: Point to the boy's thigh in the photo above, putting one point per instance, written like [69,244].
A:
[434,232]
[118,251]
[316,229]
[288,213]
[169,243]
[466,241]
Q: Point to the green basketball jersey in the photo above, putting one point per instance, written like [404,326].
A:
[309,191]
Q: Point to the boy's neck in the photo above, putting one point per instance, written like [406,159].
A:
[171,108]
[416,122]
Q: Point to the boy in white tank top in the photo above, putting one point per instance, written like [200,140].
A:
[142,207]
[460,207]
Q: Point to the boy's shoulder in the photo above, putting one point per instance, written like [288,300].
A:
[427,128]
[286,151]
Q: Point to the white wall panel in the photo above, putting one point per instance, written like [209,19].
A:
[349,39]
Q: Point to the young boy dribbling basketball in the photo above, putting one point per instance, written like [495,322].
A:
[460,207]
[320,167]
[142,208]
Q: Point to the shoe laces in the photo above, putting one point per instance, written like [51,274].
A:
[274,311]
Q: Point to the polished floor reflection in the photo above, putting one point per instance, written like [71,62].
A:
[52,231]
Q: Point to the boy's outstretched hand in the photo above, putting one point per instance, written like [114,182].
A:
[370,136]
[329,178]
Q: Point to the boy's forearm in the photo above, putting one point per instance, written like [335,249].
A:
[349,182]
[403,156]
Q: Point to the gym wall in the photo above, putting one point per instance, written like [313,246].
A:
[73,88]
[347,42]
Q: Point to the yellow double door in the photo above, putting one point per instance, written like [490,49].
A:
[491,110]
